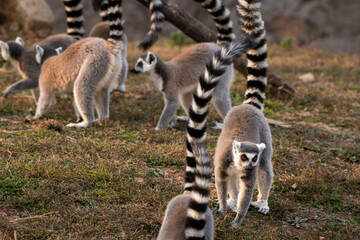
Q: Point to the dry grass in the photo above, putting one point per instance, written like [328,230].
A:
[113,180]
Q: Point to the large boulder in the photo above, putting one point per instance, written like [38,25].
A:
[26,17]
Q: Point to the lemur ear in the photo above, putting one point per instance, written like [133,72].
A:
[39,53]
[261,146]
[19,41]
[4,46]
[236,145]
[151,57]
[59,50]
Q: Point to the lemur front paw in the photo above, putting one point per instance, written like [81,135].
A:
[235,224]
[219,211]
[31,117]
[262,206]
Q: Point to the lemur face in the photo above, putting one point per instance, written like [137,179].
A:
[145,63]
[247,155]
[13,46]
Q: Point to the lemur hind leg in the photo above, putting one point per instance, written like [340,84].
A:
[122,77]
[102,98]
[168,113]
[84,87]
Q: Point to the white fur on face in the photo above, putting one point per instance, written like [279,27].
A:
[143,66]
[5,51]
[19,41]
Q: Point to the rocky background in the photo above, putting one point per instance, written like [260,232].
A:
[326,24]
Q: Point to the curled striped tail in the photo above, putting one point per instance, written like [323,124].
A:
[221,16]
[74,18]
[103,6]
[198,170]
[115,19]
[198,111]
[252,25]
[156,19]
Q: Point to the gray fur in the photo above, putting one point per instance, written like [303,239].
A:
[245,124]
[24,59]
[102,30]
[178,78]
[173,225]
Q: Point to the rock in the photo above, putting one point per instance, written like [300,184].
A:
[27,16]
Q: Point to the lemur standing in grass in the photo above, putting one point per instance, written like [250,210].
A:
[24,57]
[188,215]
[87,68]
[178,78]
[244,149]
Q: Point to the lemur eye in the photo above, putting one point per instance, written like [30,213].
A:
[254,159]
[243,157]
[140,64]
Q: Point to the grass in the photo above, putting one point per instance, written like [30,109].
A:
[114,180]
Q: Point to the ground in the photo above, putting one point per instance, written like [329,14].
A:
[114,179]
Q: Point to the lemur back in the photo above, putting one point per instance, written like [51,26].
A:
[244,149]
[188,216]
[87,68]
[102,30]
[24,59]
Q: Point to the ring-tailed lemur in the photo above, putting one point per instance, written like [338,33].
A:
[156,19]
[102,30]
[87,68]
[221,16]
[244,149]
[188,215]
[177,79]
[24,59]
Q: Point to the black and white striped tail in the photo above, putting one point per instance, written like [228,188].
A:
[198,170]
[115,19]
[252,25]
[74,18]
[156,19]
[101,5]
[221,16]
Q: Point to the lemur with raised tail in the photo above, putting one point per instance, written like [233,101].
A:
[102,30]
[24,57]
[178,78]
[188,215]
[244,149]
[87,68]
